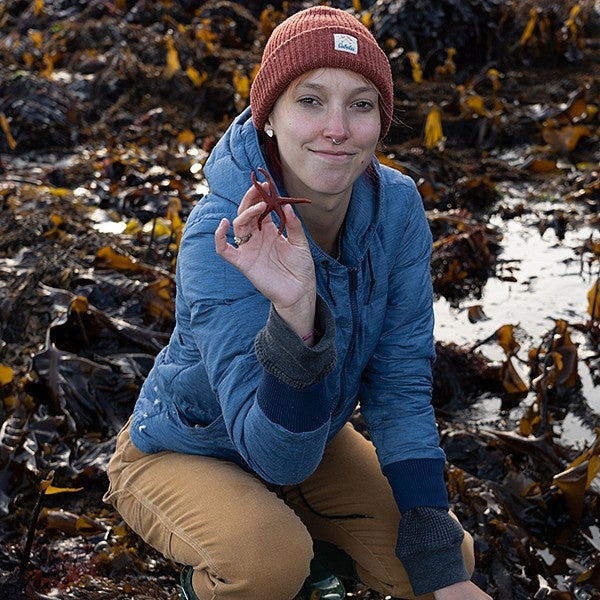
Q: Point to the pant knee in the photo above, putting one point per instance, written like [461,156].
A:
[287,566]
[268,564]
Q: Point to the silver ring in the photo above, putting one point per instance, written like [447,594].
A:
[241,240]
[335,142]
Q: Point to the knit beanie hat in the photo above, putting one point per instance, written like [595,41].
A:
[314,38]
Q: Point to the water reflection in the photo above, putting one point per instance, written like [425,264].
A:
[540,278]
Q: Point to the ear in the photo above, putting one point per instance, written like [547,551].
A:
[269,128]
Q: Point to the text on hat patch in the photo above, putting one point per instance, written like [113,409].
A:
[345,43]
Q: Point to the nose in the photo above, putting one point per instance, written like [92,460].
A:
[336,126]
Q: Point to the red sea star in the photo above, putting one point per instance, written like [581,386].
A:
[273,199]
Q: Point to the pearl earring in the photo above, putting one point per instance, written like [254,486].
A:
[269,132]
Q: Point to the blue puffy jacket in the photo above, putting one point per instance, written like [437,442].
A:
[203,395]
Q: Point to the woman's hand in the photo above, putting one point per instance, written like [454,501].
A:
[280,267]
[464,590]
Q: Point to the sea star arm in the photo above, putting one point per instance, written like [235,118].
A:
[273,199]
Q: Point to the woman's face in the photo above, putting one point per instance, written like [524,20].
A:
[321,106]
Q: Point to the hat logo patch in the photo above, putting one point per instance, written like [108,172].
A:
[345,43]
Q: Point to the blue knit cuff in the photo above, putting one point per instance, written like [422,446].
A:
[418,482]
[297,410]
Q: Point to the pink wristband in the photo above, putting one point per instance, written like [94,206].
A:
[309,335]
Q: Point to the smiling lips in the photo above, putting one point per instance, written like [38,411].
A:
[330,152]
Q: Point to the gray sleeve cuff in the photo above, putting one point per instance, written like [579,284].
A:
[283,354]
[429,546]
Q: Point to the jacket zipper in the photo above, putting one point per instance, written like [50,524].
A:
[352,288]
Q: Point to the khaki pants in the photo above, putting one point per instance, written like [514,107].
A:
[249,541]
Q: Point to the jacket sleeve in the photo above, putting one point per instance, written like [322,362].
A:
[275,409]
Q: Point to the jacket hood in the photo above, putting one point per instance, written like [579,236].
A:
[236,154]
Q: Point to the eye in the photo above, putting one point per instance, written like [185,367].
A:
[308,100]
[364,105]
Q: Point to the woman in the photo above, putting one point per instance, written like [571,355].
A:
[239,460]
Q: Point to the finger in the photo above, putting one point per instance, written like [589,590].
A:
[293,225]
[222,246]
[246,220]
[251,197]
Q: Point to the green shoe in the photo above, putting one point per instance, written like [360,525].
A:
[185,579]
[330,588]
